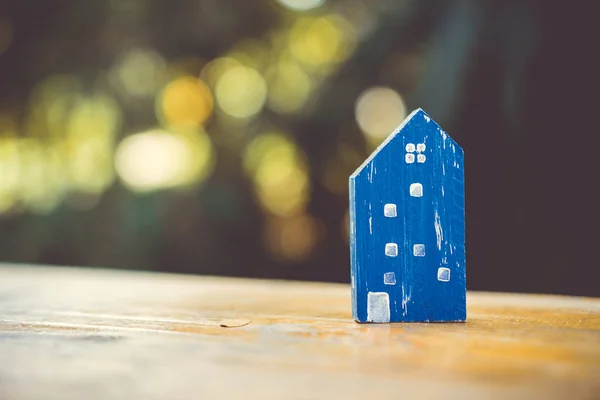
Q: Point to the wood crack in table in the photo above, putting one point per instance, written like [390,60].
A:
[73,333]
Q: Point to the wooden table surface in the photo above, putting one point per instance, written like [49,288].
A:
[70,333]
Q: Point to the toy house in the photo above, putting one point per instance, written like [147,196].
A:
[407,228]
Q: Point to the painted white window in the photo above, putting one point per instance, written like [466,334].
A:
[389,278]
[416,190]
[389,210]
[421,158]
[443,274]
[409,158]
[421,147]
[410,148]
[391,249]
[419,250]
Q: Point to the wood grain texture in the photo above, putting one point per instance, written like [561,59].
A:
[95,334]
[407,228]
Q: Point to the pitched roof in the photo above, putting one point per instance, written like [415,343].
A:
[415,113]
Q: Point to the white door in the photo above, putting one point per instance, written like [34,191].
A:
[378,307]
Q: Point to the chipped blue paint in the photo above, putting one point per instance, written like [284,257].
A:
[421,240]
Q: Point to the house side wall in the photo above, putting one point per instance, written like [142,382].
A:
[352,240]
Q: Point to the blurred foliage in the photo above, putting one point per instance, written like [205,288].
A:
[217,136]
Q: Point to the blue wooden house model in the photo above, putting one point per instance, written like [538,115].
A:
[407,228]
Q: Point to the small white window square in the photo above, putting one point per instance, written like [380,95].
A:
[416,190]
[419,250]
[410,148]
[389,278]
[391,249]
[409,158]
[420,147]
[443,274]
[389,210]
[421,158]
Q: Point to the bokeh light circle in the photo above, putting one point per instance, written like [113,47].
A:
[289,87]
[379,111]
[278,169]
[293,239]
[157,159]
[140,72]
[301,5]
[241,92]
[320,41]
[186,101]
